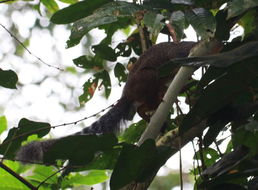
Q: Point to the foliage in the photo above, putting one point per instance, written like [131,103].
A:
[225,97]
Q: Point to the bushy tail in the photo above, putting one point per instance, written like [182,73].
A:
[108,123]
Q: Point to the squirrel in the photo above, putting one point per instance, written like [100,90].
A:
[143,92]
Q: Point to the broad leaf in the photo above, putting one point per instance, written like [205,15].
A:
[133,133]
[153,23]
[87,62]
[107,14]
[8,79]
[16,135]
[93,177]
[9,182]
[237,7]
[105,52]
[40,173]
[76,11]
[120,73]
[137,163]
[178,21]
[80,149]
[222,92]
[51,5]
[202,21]
[3,124]
[92,84]
[69,1]
[103,161]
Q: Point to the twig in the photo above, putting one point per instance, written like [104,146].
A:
[19,42]
[201,153]
[197,161]
[17,176]
[172,32]
[41,183]
[139,16]
[55,126]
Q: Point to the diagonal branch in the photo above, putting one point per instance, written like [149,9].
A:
[159,117]
[172,138]
[17,176]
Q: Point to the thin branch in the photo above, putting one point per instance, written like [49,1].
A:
[197,161]
[172,138]
[172,32]
[59,125]
[139,16]
[19,42]
[159,117]
[17,176]
[183,75]
[201,153]
[41,183]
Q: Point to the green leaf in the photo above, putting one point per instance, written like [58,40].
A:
[51,5]
[133,133]
[40,173]
[86,146]
[104,161]
[179,23]
[3,124]
[93,177]
[9,182]
[105,52]
[109,13]
[69,1]
[89,88]
[76,11]
[221,92]
[15,136]
[88,62]
[137,163]
[124,49]
[8,79]
[91,85]
[104,76]
[210,156]
[120,73]
[237,7]
[203,22]
[153,23]
[247,138]
[248,22]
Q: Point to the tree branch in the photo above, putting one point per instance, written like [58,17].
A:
[157,120]
[172,138]
[17,176]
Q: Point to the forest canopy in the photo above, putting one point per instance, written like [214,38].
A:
[221,120]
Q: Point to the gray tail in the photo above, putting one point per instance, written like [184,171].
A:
[108,123]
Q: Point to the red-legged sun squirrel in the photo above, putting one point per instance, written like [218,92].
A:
[143,91]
